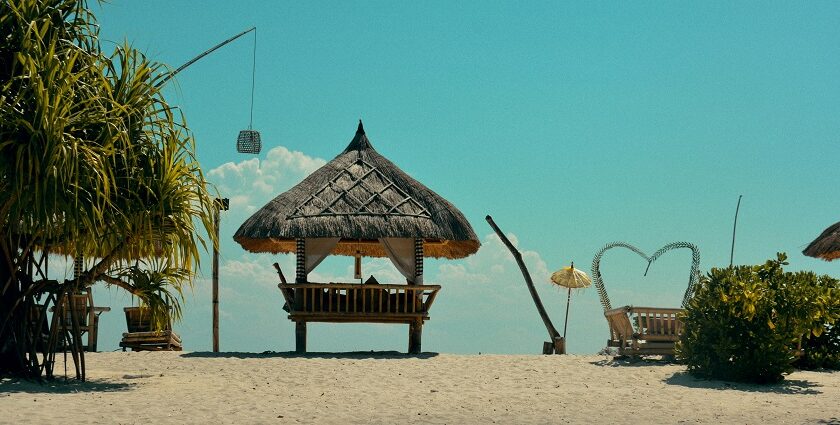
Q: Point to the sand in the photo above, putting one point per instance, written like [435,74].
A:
[389,388]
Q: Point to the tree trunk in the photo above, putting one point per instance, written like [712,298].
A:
[11,359]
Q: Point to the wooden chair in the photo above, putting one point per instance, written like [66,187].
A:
[86,314]
[141,337]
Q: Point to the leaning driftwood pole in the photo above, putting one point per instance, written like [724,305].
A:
[557,344]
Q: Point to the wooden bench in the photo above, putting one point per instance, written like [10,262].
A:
[358,303]
[640,331]
[141,337]
[151,341]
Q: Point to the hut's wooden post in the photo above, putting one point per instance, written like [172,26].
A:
[300,277]
[415,329]
[415,337]
[300,257]
[300,337]
[300,272]
[418,261]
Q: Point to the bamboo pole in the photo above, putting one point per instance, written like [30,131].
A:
[219,205]
[216,214]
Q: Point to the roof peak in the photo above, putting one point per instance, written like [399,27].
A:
[360,141]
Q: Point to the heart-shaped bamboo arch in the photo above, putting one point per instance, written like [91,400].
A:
[692,278]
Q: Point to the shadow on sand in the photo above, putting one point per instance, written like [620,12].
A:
[632,362]
[60,386]
[684,379]
[788,386]
[356,355]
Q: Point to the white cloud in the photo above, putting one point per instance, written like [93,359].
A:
[249,184]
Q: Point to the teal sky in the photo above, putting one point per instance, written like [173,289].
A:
[573,125]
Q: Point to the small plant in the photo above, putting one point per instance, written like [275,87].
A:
[744,323]
[159,288]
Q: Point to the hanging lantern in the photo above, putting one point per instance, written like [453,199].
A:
[248,142]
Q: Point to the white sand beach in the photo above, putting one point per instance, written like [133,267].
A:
[388,388]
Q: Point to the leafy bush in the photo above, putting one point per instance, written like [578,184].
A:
[744,323]
[823,350]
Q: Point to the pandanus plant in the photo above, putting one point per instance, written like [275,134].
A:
[94,163]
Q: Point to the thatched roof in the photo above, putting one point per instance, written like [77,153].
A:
[359,196]
[827,245]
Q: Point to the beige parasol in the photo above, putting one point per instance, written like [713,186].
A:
[571,278]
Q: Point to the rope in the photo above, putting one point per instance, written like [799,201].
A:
[253,80]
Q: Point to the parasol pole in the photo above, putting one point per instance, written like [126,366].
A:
[566,323]
[568,301]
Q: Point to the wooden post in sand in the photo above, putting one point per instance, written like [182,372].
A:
[219,204]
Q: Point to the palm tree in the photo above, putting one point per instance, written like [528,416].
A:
[94,163]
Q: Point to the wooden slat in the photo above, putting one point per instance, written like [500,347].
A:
[429,300]
[305,293]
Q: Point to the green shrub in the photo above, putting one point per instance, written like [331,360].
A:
[823,350]
[744,322]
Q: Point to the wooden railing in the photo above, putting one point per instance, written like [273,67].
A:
[359,299]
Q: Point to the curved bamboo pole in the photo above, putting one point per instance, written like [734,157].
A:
[557,343]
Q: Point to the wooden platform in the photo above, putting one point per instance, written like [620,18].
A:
[359,303]
[640,331]
[151,341]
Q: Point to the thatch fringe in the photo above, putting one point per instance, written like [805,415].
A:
[333,202]
[826,245]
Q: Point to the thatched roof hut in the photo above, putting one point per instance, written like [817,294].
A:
[360,197]
[359,204]
[826,245]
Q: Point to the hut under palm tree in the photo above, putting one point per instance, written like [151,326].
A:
[361,205]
